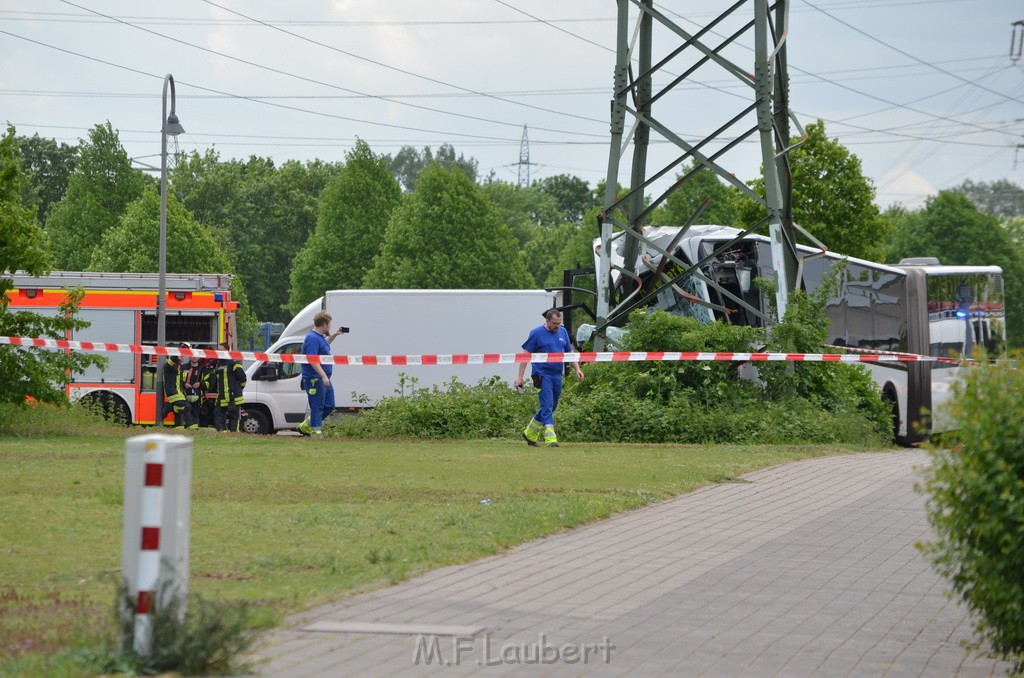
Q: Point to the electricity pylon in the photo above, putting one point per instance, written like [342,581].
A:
[753,32]
[524,161]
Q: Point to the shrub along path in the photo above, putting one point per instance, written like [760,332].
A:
[803,569]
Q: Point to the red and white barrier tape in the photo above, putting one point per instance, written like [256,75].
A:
[468,358]
[878,351]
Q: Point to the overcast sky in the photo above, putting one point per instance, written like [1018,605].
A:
[924,92]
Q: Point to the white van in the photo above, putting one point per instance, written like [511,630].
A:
[393,322]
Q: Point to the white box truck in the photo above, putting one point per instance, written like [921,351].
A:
[393,322]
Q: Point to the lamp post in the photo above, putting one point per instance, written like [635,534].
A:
[169,126]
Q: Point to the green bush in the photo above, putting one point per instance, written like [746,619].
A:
[194,637]
[975,503]
[608,415]
[488,410]
[624,402]
[653,402]
[834,387]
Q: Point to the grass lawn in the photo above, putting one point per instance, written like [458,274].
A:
[290,522]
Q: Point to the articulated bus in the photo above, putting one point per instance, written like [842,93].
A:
[122,309]
[917,306]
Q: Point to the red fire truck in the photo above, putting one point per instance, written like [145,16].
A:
[122,309]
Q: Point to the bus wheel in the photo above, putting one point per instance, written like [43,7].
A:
[255,422]
[889,397]
[110,406]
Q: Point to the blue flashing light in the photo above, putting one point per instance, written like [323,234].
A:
[961,314]
[218,296]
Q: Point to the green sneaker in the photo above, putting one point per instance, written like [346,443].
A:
[305,429]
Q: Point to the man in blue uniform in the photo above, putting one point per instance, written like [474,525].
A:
[316,379]
[550,337]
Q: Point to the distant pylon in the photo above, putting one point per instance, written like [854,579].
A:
[524,161]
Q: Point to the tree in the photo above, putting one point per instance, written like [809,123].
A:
[572,194]
[952,229]
[101,187]
[575,249]
[533,216]
[1000,198]
[208,187]
[260,214]
[42,375]
[134,246]
[523,209]
[354,212]
[832,199]
[49,166]
[683,202]
[447,234]
[543,253]
[22,246]
[1015,229]
[408,163]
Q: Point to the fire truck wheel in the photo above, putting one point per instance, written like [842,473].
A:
[255,422]
[112,407]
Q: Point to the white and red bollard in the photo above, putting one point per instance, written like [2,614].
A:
[157,494]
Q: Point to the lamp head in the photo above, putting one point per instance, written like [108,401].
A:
[172,127]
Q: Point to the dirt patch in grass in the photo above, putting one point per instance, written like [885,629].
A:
[44,621]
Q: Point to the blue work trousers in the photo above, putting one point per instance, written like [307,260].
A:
[550,392]
[321,401]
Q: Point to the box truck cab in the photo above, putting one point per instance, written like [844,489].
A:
[393,322]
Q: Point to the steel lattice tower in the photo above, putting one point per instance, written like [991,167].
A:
[524,161]
[747,31]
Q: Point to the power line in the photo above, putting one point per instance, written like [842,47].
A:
[394,68]
[69,17]
[561,91]
[325,84]
[246,98]
[434,95]
[911,56]
[891,104]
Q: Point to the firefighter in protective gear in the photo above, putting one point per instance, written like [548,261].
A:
[174,393]
[230,379]
[192,387]
[208,404]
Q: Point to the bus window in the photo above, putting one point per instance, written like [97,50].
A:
[856,300]
[814,271]
[890,317]
[870,309]
[965,313]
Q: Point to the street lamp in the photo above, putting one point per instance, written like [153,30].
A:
[169,125]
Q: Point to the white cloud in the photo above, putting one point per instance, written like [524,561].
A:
[904,186]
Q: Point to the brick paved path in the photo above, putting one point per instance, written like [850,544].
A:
[806,569]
